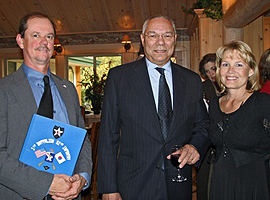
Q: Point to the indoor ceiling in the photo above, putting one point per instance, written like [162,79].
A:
[87,16]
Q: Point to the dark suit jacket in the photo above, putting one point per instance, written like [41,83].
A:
[130,161]
[17,103]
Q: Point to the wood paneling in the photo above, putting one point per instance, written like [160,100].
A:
[195,51]
[210,34]
[92,15]
[253,36]
[242,12]
[266,32]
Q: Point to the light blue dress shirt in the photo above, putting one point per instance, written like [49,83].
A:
[36,82]
[154,76]
[60,114]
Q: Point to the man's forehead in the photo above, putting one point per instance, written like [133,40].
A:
[155,31]
[161,24]
[36,24]
[34,19]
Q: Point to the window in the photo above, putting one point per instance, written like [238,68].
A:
[14,64]
[89,76]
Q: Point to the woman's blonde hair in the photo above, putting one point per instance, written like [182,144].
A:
[245,53]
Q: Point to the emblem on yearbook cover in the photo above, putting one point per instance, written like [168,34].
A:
[57,132]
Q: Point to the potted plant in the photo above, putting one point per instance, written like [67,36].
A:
[93,90]
[212,8]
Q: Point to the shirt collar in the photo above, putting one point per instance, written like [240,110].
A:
[35,76]
[152,66]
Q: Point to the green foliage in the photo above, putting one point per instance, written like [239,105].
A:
[93,87]
[212,8]
[106,63]
[93,82]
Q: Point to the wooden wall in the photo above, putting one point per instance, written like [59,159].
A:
[253,36]
[266,32]
[206,37]
[195,51]
[209,36]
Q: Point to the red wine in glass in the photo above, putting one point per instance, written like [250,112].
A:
[174,160]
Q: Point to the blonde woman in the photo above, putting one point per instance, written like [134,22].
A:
[240,123]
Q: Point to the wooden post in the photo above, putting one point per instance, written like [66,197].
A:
[230,33]
[61,66]
[210,33]
[2,67]
[78,79]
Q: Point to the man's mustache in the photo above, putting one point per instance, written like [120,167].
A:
[42,48]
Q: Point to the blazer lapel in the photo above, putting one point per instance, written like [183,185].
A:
[141,81]
[23,93]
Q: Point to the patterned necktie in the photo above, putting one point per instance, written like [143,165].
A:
[46,103]
[164,104]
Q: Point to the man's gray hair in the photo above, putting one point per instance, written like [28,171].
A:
[157,16]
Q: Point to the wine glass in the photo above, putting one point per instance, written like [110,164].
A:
[174,160]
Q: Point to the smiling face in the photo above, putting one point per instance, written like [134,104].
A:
[234,72]
[159,41]
[37,43]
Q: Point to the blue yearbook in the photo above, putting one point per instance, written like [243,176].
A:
[52,146]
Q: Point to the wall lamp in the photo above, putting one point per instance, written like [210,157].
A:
[127,42]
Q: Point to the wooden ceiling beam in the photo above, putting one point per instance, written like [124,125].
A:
[242,12]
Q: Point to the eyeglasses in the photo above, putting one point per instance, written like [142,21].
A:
[155,36]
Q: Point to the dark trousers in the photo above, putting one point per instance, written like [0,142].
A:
[203,179]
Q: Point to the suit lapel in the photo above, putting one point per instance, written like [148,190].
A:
[179,90]
[64,91]
[23,93]
[141,81]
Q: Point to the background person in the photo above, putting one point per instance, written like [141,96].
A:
[207,68]
[264,67]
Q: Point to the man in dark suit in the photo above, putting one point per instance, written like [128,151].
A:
[134,152]
[20,94]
